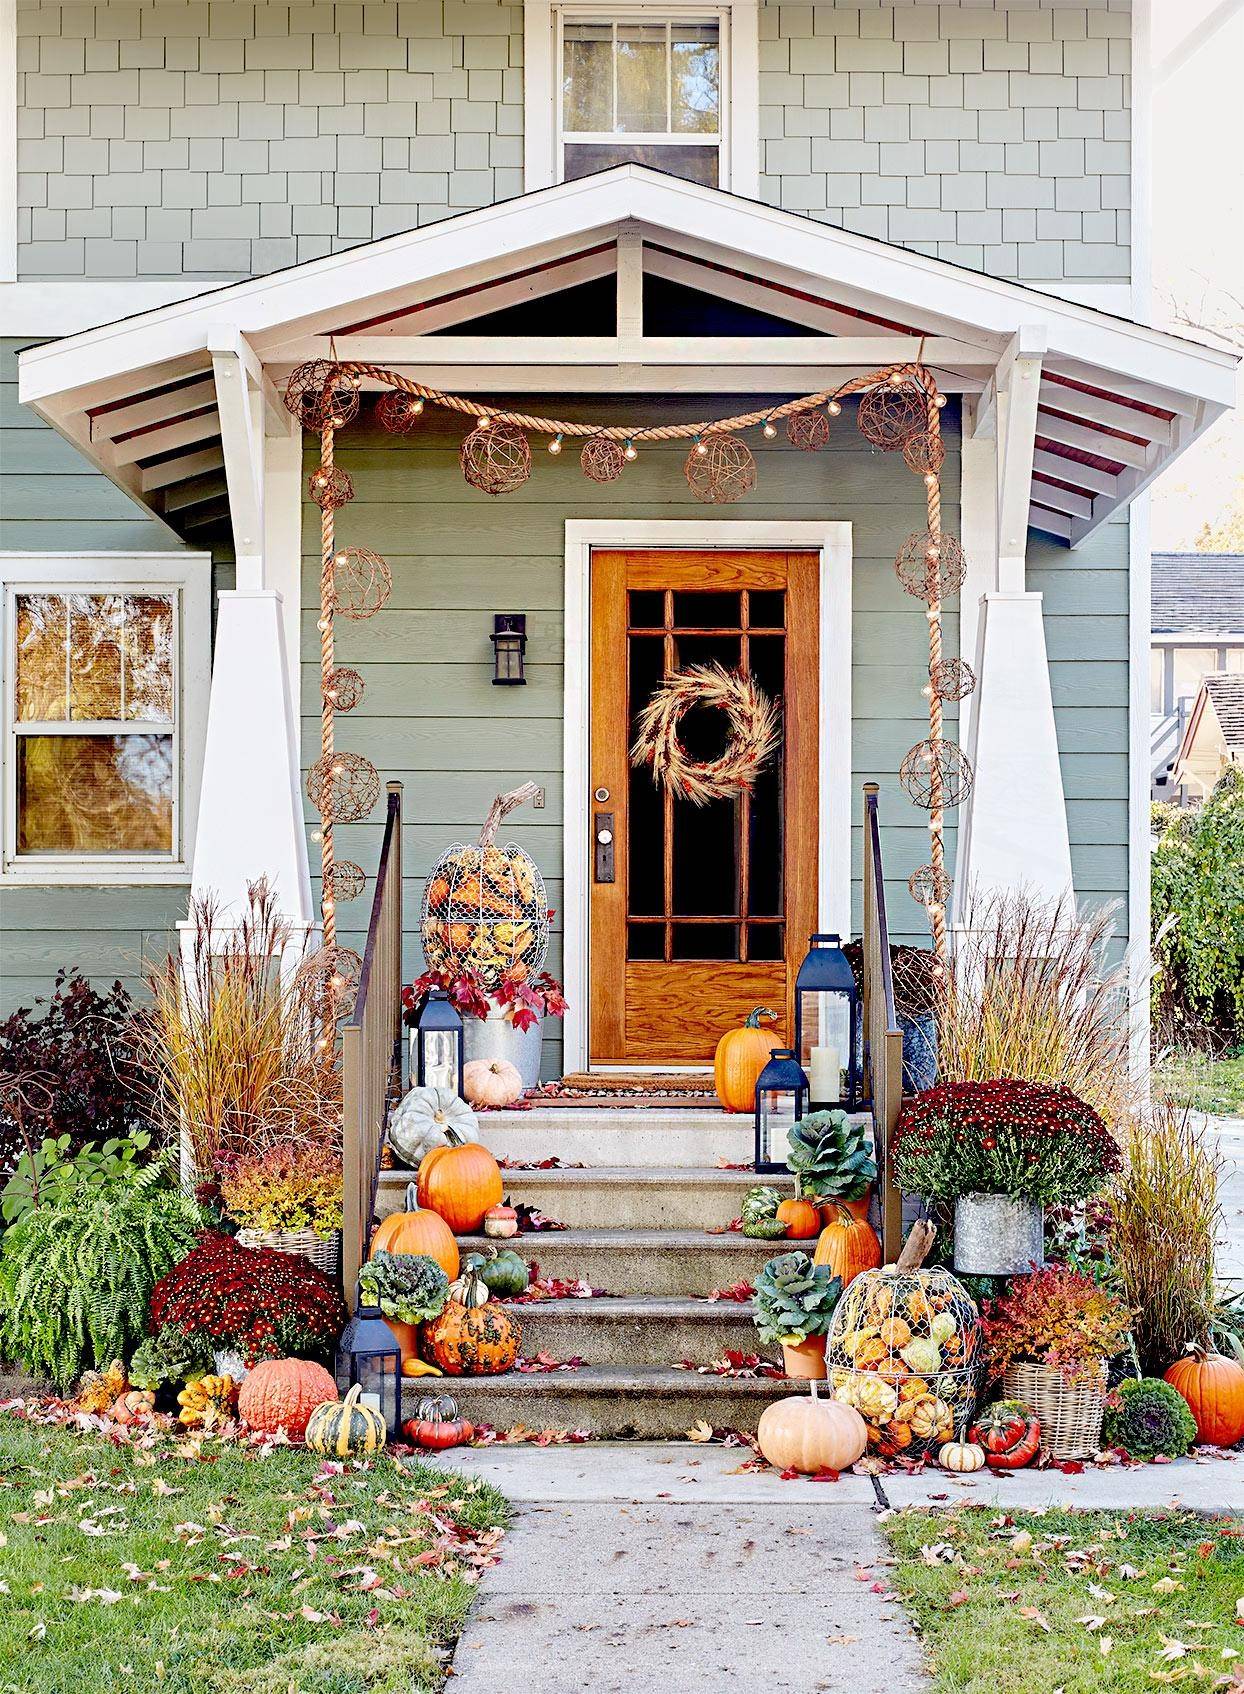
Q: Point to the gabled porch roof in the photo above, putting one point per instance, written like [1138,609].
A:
[148,400]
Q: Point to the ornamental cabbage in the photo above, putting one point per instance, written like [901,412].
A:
[407,1286]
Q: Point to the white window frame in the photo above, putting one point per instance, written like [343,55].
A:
[187,578]
[739,147]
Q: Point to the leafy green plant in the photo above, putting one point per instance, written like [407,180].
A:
[831,1157]
[76,1273]
[406,1286]
[1149,1418]
[169,1356]
[51,1173]
[795,1298]
[1196,882]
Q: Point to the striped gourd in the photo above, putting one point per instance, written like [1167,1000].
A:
[340,1428]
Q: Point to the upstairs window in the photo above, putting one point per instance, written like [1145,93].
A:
[642,89]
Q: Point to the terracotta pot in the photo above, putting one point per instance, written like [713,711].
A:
[858,1208]
[407,1335]
[806,1360]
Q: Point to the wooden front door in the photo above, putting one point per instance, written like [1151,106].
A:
[710,907]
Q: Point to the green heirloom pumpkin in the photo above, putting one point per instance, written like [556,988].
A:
[502,1270]
[342,1428]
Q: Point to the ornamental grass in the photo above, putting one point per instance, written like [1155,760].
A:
[1031,995]
[233,1045]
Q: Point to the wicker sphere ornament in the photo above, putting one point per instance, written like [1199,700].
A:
[343,787]
[495,457]
[935,773]
[720,469]
[362,583]
[808,430]
[345,880]
[890,414]
[929,885]
[932,567]
[330,974]
[952,679]
[330,487]
[602,458]
[343,689]
[398,412]
[925,452]
[320,393]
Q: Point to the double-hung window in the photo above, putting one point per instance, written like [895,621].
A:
[105,676]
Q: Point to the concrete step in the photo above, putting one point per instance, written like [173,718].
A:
[617,1135]
[651,1402]
[618,1196]
[641,1261]
[638,1329]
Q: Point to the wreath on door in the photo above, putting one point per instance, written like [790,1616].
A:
[754,722]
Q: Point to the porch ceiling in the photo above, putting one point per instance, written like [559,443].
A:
[143,399]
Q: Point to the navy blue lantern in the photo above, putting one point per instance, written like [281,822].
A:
[827,1024]
[436,1043]
[368,1354]
[781,1100]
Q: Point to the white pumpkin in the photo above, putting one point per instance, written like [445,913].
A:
[492,1082]
[421,1119]
[962,1456]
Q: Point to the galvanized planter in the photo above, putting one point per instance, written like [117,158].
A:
[494,1037]
[997,1236]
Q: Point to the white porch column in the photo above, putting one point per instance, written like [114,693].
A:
[1013,827]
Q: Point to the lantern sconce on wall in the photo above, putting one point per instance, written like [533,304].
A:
[509,644]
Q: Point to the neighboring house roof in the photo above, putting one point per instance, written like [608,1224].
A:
[1198,593]
[1214,733]
[1117,400]
[1226,694]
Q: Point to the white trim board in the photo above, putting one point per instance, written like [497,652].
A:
[833,542]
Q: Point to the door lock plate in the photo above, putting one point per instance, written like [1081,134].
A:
[603,846]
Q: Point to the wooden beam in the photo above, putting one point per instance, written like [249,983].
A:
[1051,522]
[1090,440]
[1087,477]
[1093,409]
[153,442]
[174,403]
[1062,499]
[1017,382]
[630,313]
[606,380]
[865,352]
[240,405]
[184,469]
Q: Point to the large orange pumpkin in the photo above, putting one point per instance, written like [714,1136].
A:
[802,1219]
[740,1057]
[1213,1386]
[415,1231]
[282,1394]
[848,1246]
[460,1181]
[473,1340]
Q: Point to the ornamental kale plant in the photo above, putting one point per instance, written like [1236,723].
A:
[407,1286]
[1057,1317]
[1148,1417]
[1021,1139]
[266,1305]
[795,1298]
[830,1155]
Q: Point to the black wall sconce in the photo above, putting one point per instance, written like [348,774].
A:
[509,643]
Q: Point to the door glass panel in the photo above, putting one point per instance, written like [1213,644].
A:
[766,941]
[708,610]
[647,608]
[705,941]
[646,809]
[706,859]
[767,608]
[645,941]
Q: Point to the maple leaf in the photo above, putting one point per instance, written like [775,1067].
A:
[1032,1615]
[1091,1622]
[700,1431]
[960,1597]
[1171,1649]
[1167,1585]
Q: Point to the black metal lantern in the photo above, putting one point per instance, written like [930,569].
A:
[509,644]
[781,1100]
[827,1024]
[436,1043]
[368,1354]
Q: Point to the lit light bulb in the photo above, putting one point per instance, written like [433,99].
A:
[896,378]
[770,429]
[321,1044]
[939,400]
[555,446]
[930,481]
[321,623]
[834,409]
[338,981]
[329,906]
[935,905]
[630,451]
[339,559]
[416,407]
[927,690]
[933,613]
[700,447]
[337,769]
[485,422]
[317,835]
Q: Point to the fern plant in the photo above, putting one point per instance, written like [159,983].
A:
[76,1273]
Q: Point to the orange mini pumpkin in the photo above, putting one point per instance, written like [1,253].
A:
[1213,1386]
[416,1231]
[848,1246]
[801,1217]
[740,1057]
[460,1182]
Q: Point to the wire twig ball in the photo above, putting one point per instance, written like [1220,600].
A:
[362,583]
[935,773]
[330,975]
[344,689]
[602,458]
[320,393]
[345,880]
[343,787]
[808,430]
[925,452]
[398,412]
[952,679]
[932,567]
[495,457]
[890,414]
[929,885]
[720,469]
[330,487]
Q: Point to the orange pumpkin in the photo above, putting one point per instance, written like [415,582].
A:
[1213,1386]
[460,1181]
[811,1435]
[848,1246]
[415,1231]
[740,1057]
[282,1394]
[801,1217]
[473,1340]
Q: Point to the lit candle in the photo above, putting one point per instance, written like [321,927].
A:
[824,1074]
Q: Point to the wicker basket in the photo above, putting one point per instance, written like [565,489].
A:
[322,1250]
[1070,1413]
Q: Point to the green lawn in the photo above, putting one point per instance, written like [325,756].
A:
[212,1569]
[1207,1085]
[1083,1602]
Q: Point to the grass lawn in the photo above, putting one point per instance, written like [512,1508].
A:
[206,1567]
[1207,1085]
[1083,1602]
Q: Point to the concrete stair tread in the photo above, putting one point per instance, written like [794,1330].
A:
[623,1176]
[656,1308]
[675,1240]
[622,1380]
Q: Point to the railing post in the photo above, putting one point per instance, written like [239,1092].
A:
[885,1039]
[353,1157]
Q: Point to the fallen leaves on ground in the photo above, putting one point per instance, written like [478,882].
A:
[545,1362]
[554,1288]
[734,1364]
[741,1291]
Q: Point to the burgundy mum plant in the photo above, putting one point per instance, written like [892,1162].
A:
[1021,1139]
[266,1305]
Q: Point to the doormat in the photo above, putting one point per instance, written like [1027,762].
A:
[629,1088]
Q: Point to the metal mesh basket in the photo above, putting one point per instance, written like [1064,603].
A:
[904,1350]
[484,906]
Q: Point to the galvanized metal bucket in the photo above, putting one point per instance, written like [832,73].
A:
[494,1037]
[996,1235]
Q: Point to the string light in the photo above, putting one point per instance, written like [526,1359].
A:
[834,409]
[630,451]
[555,446]
[770,429]
[700,446]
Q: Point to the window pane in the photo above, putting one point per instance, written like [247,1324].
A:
[642,84]
[1157,669]
[695,79]
[148,646]
[1235,660]
[42,680]
[1191,665]
[587,77]
[94,793]
[695,163]
[95,625]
